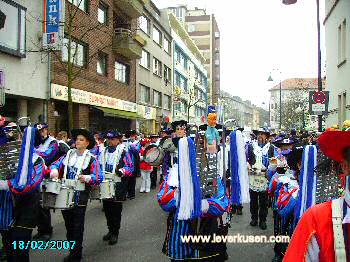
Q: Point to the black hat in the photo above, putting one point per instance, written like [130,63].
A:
[130,133]
[40,126]
[203,127]
[240,129]
[113,134]
[181,123]
[154,136]
[76,132]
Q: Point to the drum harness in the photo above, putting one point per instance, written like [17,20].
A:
[76,171]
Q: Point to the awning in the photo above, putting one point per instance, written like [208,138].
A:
[117,113]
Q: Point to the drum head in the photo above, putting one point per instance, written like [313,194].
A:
[153,155]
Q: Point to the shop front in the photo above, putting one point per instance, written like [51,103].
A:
[93,111]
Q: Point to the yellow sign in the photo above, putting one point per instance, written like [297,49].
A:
[83,97]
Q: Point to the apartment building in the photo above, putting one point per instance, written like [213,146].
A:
[154,70]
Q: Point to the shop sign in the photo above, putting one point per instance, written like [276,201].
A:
[83,97]
[146,112]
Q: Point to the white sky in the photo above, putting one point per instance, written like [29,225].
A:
[258,36]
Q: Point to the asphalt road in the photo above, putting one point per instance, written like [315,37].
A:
[142,233]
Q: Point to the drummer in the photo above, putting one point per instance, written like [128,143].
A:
[78,159]
[134,148]
[117,160]
[145,168]
[50,150]
[20,199]
[154,141]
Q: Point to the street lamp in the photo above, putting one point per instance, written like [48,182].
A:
[271,80]
[319,56]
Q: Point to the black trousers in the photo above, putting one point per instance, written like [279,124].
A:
[74,220]
[258,205]
[15,253]
[113,212]
[281,230]
[44,221]
[131,186]
[154,177]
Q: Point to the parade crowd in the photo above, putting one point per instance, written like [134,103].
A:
[203,175]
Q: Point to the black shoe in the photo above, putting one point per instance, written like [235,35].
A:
[262,225]
[239,212]
[107,236]
[254,223]
[131,197]
[42,237]
[113,240]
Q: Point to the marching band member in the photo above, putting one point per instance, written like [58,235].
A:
[134,148]
[154,141]
[259,153]
[78,162]
[20,199]
[180,195]
[322,233]
[50,150]
[145,168]
[117,160]
[99,146]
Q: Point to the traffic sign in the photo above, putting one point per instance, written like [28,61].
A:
[318,102]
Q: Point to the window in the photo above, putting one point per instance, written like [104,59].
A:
[184,106]
[102,13]
[167,102]
[77,52]
[157,98]
[180,81]
[191,28]
[181,58]
[122,72]
[81,4]
[167,46]
[145,94]
[102,64]
[144,24]
[157,35]
[167,74]
[342,43]
[12,35]
[145,59]
[157,67]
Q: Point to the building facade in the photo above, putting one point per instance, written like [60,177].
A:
[24,69]
[154,70]
[204,31]
[337,31]
[245,113]
[102,45]
[295,104]
[190,82]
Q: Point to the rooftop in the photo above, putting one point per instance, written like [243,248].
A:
[298,83]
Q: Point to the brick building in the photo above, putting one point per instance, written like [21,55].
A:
[103,48]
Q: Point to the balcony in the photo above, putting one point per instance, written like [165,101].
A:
[126,44]
[132,8]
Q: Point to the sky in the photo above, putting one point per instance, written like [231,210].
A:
[258,36]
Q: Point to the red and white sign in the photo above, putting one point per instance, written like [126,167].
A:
[318,102]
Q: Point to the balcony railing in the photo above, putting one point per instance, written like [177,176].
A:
[124,43]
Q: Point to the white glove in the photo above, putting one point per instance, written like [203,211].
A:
[54,174]
[204,206]
[4,185]
[85,178]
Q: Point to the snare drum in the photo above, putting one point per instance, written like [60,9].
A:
[76,184]
[167,144]
[154,155]
[107,189]
[52,186]
[258,182]
[65,198]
